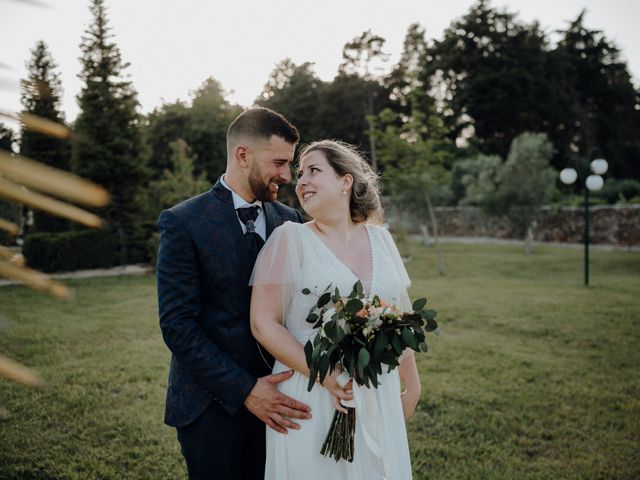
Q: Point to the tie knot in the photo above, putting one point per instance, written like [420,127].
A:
[248,216]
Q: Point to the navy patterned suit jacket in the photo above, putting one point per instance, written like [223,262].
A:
[204,297]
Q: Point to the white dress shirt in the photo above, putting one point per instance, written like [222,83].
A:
[239,202]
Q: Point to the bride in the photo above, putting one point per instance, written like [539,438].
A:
[340,246]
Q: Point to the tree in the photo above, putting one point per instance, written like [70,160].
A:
[405,79]
[108,147]
[526,182]
[211,115]
[202,124]
[414,157]
[491,75]
[177,183]
[605,106]
[475,179]
[164,125]
[41,94]
[8,210]
[295,91]
[362,57]
[6,138]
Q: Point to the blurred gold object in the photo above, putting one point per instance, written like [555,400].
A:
[39,124]
[11,256]
[10,227]
[33,279]
[19,373]
[16,174]
[18,193]
[51,180]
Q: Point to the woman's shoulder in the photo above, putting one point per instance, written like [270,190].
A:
[288,230]
[289,226]
[379,231]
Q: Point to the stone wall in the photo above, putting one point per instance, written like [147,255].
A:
[609,224]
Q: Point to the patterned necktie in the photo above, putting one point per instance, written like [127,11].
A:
[254,241]
[248,216]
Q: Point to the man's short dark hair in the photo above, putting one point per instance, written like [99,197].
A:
[260,122]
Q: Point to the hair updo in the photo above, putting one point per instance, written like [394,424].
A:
[364,204]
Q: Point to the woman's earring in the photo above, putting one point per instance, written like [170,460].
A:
[344,192]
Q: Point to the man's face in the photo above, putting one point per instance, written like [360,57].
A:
[270,167]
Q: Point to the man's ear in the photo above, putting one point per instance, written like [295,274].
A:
[241,155]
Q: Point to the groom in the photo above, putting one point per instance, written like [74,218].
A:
[220,392]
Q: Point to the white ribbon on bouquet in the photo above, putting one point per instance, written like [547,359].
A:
[368,416]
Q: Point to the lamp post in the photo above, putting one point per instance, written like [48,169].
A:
[594,183]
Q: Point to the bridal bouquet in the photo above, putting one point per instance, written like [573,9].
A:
[359,335]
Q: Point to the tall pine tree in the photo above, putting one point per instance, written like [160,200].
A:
[604,118]
[108,147]
[41,93]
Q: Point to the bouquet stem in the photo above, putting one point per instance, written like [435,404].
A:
[340,438]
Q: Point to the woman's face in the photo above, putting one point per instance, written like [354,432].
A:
[319,188]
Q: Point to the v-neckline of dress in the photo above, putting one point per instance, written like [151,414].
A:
[347,267]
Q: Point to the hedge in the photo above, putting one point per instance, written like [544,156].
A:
[73,250]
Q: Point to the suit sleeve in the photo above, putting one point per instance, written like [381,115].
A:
[179,290]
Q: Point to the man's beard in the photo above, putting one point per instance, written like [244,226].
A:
[259,189]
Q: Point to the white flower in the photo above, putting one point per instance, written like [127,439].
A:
[327,315]
[344,325]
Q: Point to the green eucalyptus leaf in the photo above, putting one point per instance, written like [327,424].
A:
[363,361]
[431,326]
[306,291]
[409,338]
[430,314]
[330,330]
[312,317]
[379,345]
[371,371]
[340,333]
[397,346]
[315,354]
[313,373]
[323,367]
[336,295]
[353,306]
[308,349]
[419,304]
[324,299]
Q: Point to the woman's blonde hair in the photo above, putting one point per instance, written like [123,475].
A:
[364,204]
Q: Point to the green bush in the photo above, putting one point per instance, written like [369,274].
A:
[134,247]
[73,250]
[619,191]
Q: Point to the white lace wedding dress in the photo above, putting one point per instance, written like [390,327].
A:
[295,257]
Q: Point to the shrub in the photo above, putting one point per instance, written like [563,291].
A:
[73,250]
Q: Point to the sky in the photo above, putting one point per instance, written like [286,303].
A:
[173,46]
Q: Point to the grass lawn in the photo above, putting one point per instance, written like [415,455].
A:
[535,377]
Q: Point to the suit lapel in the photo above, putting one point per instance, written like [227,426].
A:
[270,217]
[229,223]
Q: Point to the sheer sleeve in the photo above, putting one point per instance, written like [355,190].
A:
[405,281]
[280,262]
[396,260]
